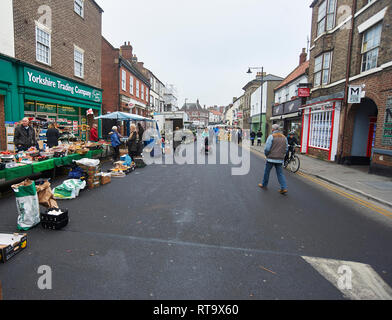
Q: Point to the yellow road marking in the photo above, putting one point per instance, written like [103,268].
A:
[356,199]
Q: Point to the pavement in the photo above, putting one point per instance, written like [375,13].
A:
[198,232]
[355,179]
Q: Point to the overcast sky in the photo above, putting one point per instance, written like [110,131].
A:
[204,47]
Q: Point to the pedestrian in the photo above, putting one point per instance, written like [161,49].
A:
[259,135]
[24,136]
[94,133]
[177,139]
[275,150]
[292,141]
[115,139]
[205,136]
[52,136]
[140,132]
[239,135]
[132,142]
[252,137]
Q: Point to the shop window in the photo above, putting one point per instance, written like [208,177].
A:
[43,45]
[79,7]
[326,16]
[322,67]
[370,46]
[79,62]
[320,130]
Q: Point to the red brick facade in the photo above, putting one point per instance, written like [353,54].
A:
[376,82]
[67,30]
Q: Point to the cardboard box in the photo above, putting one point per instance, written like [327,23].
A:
[11,244]
[105,179]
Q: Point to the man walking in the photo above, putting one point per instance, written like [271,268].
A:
[275,149]
[24,136]
[259,135]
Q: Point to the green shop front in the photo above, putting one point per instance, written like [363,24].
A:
[27,91]
[255,124]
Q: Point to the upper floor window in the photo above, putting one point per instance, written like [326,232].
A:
[370,45]
[43,46]
[79,62]
[322,66]
[131,85]
[326,16]
[124,80]
[79,7]
[137,89]
[142,92]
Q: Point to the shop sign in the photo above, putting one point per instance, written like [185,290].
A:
[68,111]
[43,81]
[46,108]
[387,129]
[304,92]
[277,110]
[354,94]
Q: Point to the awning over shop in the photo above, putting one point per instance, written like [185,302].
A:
[123,116]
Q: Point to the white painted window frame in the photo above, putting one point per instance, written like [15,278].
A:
[45,29]
[81,51]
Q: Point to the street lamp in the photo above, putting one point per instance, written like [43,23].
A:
[261,89]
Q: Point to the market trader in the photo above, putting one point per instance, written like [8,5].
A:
[24,136]
[94,133]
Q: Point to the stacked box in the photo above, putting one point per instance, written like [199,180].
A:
[93,177]
[106,178]
[11,244]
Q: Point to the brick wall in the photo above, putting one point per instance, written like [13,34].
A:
[318,153]
[110,77]
[68,29]
[3,145]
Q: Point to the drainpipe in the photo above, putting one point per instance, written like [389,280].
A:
[348,70]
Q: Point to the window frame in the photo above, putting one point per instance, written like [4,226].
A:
[123,80]
[325,17]
[81,51]
[323,69]
[48,32]
[80,4]
[364,53]
[137,88]
[320,129]
[131,85]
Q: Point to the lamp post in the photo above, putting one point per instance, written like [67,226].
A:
[261,89]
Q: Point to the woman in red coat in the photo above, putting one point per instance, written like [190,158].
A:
[94,133]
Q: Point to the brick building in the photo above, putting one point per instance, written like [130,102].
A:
[350,46]
[55,73]
[125,82]
[196,113]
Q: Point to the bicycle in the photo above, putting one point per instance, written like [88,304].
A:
[292,163]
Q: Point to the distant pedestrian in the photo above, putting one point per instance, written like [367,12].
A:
[177,139]
[132,142]
[275,149]
[115,140]
[252,137]
[259,135]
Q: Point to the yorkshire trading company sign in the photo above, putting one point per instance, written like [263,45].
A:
[43,81]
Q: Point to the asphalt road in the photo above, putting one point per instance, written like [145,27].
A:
[197,232]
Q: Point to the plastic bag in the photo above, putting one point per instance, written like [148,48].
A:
[88,162]
[69,189]
[127,160]
[26,204]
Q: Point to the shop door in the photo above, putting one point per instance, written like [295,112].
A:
[371,136]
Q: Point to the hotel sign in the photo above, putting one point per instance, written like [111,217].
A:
[43,81]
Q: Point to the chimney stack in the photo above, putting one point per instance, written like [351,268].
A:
[303,56]
[258,75]
[134,58]
[126,51]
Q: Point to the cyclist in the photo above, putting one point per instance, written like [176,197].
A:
[292,141]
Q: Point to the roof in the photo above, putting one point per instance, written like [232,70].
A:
[268,77]
[100,9]
[193,106]
[299,71]
[215,112]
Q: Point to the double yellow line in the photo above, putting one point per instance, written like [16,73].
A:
[356,199]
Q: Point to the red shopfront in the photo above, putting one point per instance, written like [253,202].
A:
[320,129]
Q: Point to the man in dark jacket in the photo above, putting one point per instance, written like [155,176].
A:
[52,136]
[259,135]
[275,151]
[24,136]
[252,137]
